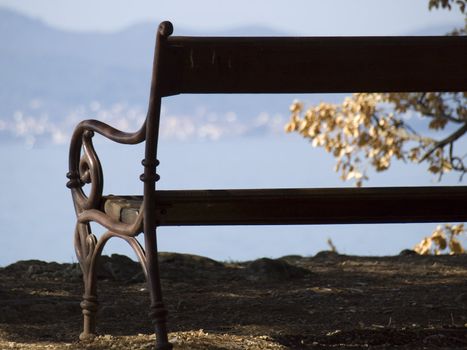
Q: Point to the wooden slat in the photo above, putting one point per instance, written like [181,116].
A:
[320,64]
[309,206]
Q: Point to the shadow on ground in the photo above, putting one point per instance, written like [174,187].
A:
[320,302]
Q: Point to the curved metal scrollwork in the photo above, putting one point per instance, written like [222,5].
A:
[84,165]
[85,245]
[85,170]
[90,172]
[88,249]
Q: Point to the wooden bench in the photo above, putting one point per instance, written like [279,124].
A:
[256,65]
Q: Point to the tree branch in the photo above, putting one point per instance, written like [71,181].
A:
[448,140]
[426,112]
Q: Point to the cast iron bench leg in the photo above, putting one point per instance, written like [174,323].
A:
[88,261]
[158,312]
[89,306]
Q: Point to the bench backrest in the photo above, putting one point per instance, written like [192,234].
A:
[299,65]
[311,64]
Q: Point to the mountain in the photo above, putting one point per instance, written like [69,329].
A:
[65,68]
[37,61]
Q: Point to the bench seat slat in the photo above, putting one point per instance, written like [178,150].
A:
[298,206]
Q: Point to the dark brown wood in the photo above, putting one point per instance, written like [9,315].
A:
[297,206]
[314,64]
[311,206]
[158,311]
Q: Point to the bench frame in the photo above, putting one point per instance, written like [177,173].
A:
[259,65]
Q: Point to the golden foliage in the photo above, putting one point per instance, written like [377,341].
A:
[444,238]
[365,127]
[361,127]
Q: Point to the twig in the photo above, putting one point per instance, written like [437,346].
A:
[448,140]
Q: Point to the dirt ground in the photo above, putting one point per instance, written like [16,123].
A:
[328,301]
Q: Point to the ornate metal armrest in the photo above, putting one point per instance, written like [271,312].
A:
[84,165]
[85,168]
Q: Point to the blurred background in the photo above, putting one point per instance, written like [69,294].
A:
[65,61]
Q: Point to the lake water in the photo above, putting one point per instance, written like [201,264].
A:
[37,218]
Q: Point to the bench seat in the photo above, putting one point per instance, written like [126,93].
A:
[296,206]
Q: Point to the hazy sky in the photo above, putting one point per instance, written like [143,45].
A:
[303,17]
